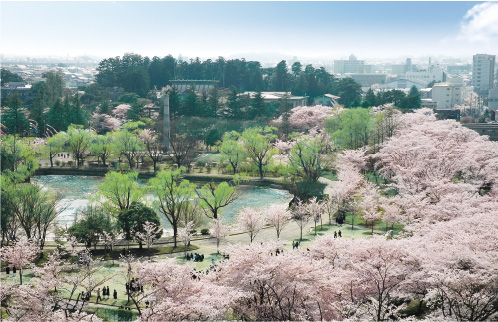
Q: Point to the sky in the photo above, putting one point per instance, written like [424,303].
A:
[211,29]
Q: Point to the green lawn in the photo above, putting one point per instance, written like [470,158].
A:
[379,225]
[330,174]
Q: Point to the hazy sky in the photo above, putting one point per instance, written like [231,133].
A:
[210,29]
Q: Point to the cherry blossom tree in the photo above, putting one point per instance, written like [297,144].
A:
[251,221]
[278,217]
[20,254]
[71,246]
[370,204]
[105,123]
[50,272]
[129,266]
[153,146]
[301,215]
[150,232]
[391,212]
[306,118]
[178,292]
[121,111]
[284,147]
[288,287]
[219,230]
[185,234]
[315,209]
[111,239]
[459,262]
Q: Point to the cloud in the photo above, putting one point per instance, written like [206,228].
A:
[480,24]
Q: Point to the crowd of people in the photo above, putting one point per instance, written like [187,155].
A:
[134,286]
[195,257]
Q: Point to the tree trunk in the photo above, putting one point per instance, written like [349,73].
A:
[261,170]
[175,232]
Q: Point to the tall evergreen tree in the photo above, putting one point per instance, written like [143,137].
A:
[55,116]
[281,78]
[214,101]
[14,117]
[190,103]
[233,103]
[369,99]
[76,116]
[349,91]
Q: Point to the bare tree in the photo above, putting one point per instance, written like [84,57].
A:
[182,148]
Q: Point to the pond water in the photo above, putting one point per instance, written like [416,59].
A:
[75,191]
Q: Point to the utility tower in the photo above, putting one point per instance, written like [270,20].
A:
[166,124]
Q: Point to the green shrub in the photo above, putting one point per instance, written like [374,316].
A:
[204,231]
[108,314]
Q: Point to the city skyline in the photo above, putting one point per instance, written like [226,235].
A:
[211,29]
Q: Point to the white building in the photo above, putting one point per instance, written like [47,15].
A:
[402,83]
[447,95]
[352,65]
[433,73]
[483,73]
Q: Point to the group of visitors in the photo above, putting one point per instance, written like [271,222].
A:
[335,234]
[104,295]
[134,286]
[7,270]
[195,257]
[295,245]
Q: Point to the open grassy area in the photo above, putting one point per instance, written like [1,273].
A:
[379,225]
[330,174]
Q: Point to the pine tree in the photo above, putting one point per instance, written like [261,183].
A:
[14,118]
[214,101]
[55,116]
[136,111]
[257,106]
[76,114]
[104,107]
[369,99]
[233,103]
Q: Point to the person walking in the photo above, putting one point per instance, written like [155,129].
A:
[107,292]
[340,234]
[98,296]
[115,295]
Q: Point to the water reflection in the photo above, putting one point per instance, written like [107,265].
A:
[76,190]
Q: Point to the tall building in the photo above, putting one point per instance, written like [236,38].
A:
[403,68]
[353,65]
[483,73]
[447,95]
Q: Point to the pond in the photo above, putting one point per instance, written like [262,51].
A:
[74,192]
